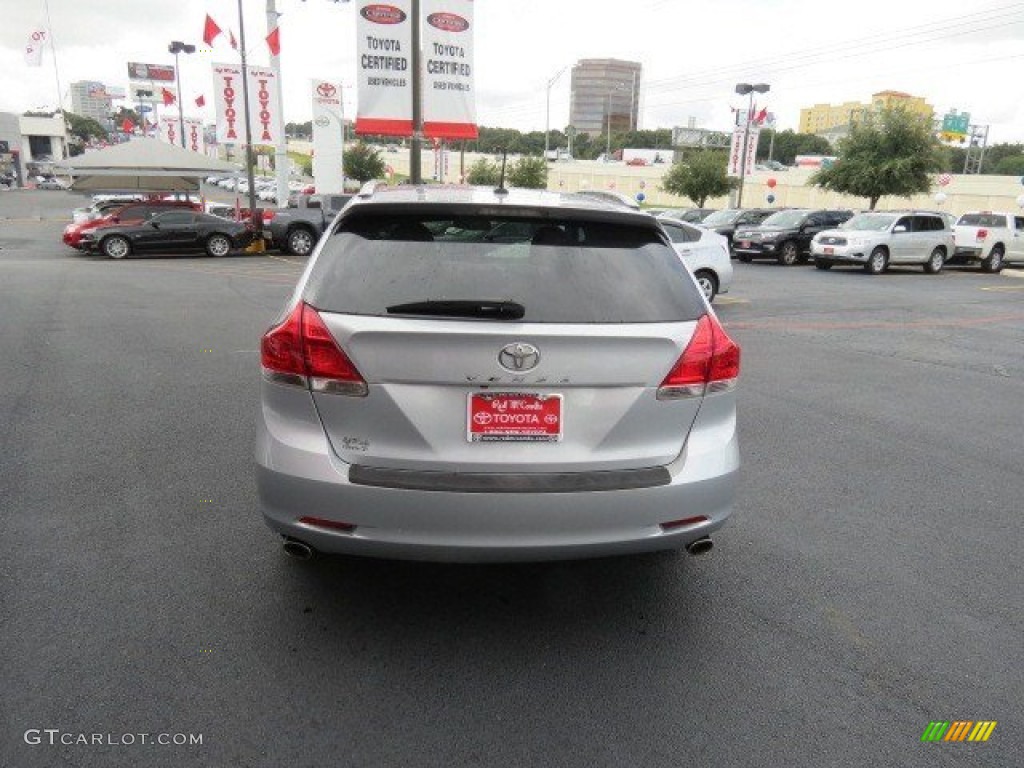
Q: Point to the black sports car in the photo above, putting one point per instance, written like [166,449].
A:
[170,232]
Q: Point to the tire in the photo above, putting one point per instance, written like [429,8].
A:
[116,247]
[935,262]
[877,262]
[218,245]
[708,283]
[789,255]
[824,265]
[744,258]
[994,262]
[300,242]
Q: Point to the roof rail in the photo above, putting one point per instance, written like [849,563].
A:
[369,189]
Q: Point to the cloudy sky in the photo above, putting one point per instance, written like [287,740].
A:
[958,55]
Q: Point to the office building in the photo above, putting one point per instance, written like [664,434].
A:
[603,90]
[834,119]
[90,98]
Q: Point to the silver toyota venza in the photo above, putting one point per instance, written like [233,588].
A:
[468,374]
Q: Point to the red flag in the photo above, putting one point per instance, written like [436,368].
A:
[210,30]
[200,100]
[231,37]
[127,125]
[274,42]
[761,116]
[168,97]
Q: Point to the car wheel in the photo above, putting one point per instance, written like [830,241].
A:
[934,264]
[877,262]
[708,283]
[300,242]
[820,264]
[994,262]
[744,258]
[789,255]
[116,247]
[218,245]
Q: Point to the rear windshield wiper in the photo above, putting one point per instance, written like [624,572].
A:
[495,310]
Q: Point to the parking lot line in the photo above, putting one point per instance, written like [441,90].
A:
[730,300]
[1004,288]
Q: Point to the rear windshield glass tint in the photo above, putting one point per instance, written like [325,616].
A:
[982,220]
[560,271]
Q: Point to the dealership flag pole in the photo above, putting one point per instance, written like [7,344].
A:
[250,175]
[281,145]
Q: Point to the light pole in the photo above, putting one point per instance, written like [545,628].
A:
[177,47]
[547,112]
[743,89]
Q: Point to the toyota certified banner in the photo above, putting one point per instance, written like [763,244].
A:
[169,130]
[449,98]
[194,139]
[228,103]
[264,105]
[384,35]
[327,137]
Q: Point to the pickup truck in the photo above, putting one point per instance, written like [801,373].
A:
[989,237]
[296,230]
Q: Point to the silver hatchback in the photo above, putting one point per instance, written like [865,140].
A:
[466,375]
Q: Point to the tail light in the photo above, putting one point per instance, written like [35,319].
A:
[302,352]
[981,235]
[710,363]
[267,215]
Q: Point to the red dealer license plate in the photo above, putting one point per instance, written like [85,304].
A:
[513,417]
[829,250]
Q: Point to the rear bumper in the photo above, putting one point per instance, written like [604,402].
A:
[299,475]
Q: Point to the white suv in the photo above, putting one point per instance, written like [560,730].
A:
[877,239]
[988,237]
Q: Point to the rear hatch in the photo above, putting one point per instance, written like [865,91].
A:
[505,343]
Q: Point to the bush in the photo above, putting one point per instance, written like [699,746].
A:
[483,173]
[529,173]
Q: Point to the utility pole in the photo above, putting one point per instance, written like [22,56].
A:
[281,146]
[249,159]
[416,146]
[547,112]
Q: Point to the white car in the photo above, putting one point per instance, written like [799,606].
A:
[705,253]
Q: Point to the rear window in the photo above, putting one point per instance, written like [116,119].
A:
[982,220]
[560,271]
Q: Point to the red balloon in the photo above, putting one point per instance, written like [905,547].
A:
[771,183]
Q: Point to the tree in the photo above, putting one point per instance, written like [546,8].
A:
[363,162]
[483,173]
[701,177]
[789,144]
[529,173]
[888,152]
[1013,165]
[84,128]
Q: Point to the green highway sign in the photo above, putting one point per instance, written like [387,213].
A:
[954,123]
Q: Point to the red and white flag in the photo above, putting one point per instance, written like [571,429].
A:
[231,37]
[227,102]
[200,100]
[34,48]
[210,30]
[167,96]
[127,125]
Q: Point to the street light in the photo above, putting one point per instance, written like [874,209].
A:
[743,89]
[547,113]
[177,47]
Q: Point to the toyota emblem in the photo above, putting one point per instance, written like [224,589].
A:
[519,357]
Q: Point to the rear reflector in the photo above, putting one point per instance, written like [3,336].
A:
[686,521]
[710,363]
[301,351]
[331,525]
[981,235]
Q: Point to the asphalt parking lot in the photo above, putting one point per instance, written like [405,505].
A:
[868,584]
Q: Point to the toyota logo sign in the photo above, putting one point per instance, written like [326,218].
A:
[519,357]
[326,90]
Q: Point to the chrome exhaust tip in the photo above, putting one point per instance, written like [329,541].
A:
[298,549]
[700,546]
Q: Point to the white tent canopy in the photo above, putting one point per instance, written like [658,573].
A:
[142,165]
